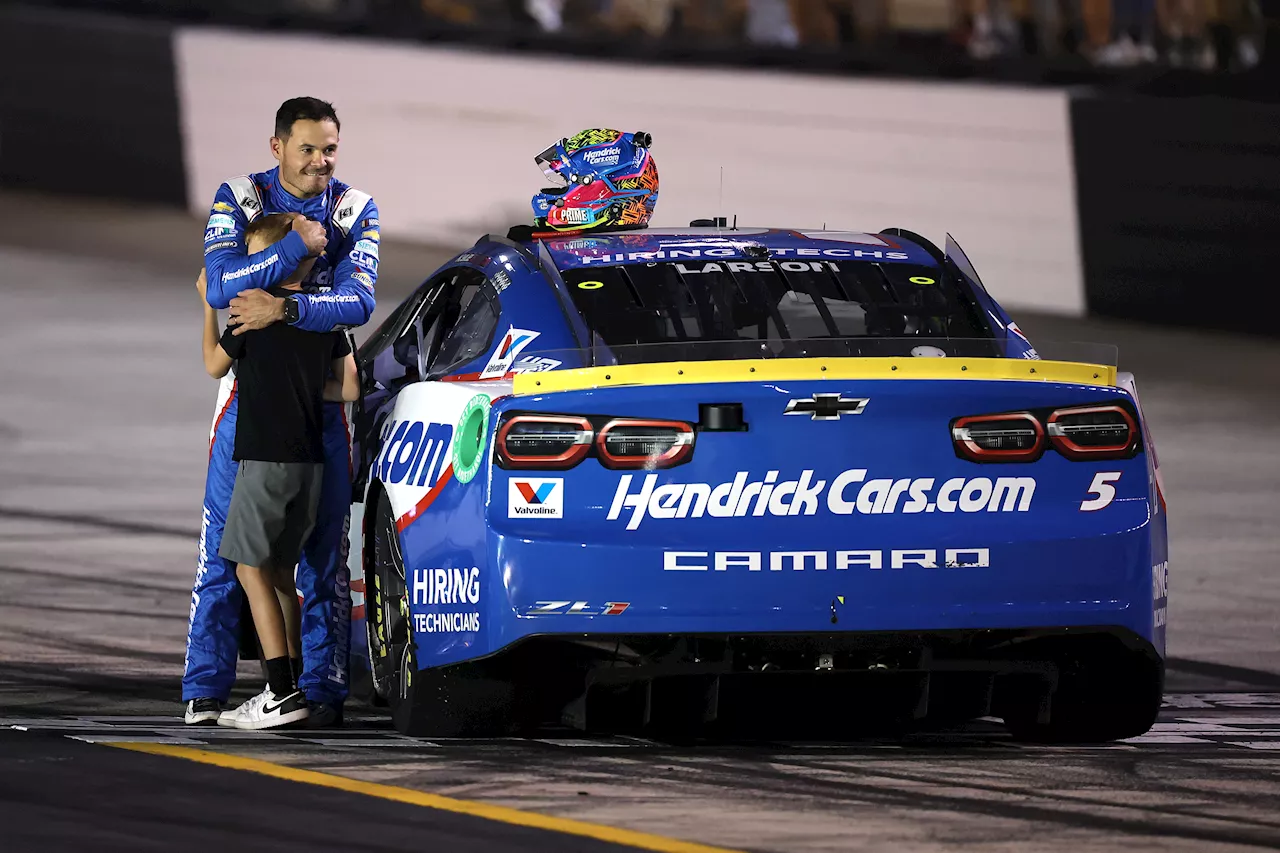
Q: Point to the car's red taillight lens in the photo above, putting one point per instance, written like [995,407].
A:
[544,441]
[1093,432]
[641,443]
[1015,437]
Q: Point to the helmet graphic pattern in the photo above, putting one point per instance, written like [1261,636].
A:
[605,179]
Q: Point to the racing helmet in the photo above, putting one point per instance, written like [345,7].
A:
[600,178]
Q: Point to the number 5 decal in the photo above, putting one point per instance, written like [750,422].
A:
[1101,487]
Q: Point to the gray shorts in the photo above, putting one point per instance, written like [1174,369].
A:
[272,512]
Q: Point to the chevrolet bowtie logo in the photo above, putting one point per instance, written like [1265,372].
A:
[826,407]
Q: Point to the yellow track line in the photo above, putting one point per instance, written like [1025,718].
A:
[502,814]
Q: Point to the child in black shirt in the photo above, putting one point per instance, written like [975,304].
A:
[282,377]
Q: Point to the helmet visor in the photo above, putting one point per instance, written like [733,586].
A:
[551,161]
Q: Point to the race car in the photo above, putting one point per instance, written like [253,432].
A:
[706,480]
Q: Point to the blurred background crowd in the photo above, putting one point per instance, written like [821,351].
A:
[1201,34]
[915,37]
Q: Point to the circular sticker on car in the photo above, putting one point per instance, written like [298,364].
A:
[469,445]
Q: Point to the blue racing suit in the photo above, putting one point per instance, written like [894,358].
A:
[339,294]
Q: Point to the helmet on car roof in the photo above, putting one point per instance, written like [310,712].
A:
[600,179]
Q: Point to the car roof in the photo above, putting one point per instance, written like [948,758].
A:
[613,248]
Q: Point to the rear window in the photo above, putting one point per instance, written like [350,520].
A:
[770,300]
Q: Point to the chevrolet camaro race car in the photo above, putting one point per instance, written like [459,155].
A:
[716,479]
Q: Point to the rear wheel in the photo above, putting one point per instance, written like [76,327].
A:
[1104,692]
[386,604]
[438,702]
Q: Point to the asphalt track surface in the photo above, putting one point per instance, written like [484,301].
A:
[103,436]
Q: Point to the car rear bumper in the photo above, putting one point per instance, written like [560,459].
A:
[558,587]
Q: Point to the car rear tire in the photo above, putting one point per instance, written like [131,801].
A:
[1105,693]
[452,701]
[386,601]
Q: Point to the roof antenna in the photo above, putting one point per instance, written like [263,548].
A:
[735,222]
[720,204]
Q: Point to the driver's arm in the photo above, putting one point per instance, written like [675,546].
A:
[351,301]
[228,266]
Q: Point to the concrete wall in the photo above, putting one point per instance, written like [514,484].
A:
[444,139]
[1180,205]
[1156,208]
[88,107]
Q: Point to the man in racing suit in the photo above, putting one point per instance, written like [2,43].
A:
[344,231]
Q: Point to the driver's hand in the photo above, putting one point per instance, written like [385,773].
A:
[312,233]
[254,309]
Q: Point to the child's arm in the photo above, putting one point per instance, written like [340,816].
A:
[216,361]
[346,389]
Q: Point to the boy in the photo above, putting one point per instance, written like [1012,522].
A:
[283,376]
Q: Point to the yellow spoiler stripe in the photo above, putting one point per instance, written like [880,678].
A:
[796,369]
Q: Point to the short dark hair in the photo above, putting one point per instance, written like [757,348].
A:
[303,109]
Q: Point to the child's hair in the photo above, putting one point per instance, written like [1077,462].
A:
[269,229]
[272,228]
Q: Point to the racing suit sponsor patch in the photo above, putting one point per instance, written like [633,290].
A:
[361,258]
[202,570]
[250,270]
[340,628]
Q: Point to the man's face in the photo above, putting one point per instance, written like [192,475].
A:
[307,157]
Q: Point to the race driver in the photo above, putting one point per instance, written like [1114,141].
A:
[341,231]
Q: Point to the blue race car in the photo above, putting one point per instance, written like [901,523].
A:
[718,480]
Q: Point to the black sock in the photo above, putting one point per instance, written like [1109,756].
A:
[296,664]
[280,676]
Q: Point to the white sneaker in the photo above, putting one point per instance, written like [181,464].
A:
[228,717]
[200,712]
[266,710]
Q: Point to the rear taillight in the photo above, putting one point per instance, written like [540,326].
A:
[1078,433]
[531,440]
[1092,432]
[1014,437]
[544,441]
[638,443]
